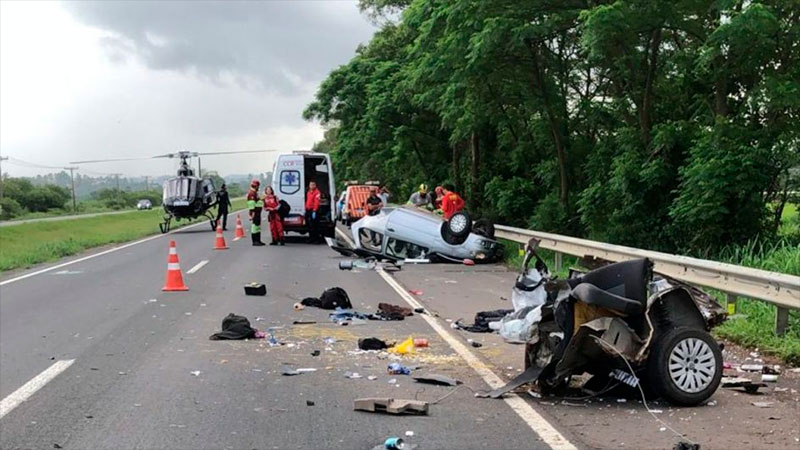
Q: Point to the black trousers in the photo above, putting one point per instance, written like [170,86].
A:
[223,214]
[313,226]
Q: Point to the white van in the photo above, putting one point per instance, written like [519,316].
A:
[290,177]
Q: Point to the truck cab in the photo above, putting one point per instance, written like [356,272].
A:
[292,173]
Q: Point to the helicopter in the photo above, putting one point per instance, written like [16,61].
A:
[185,196]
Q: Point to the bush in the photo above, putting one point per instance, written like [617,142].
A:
[9,208]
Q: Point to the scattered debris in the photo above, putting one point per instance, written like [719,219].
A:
[288,371]
[392,381]
[234,328]
[372,378]
[712,403]
[439,380]
[195,373]
[298,306]
[475,343]
[621,400]
[769,378]
[329,340]
[763,404]
[255,289]
[332,298]
[315,353]
[396,368]
[683,445]
[421,343]
[372,344]
[391,406]
[352,375]
[387,311]
[748,385]
[309,403]
[752,367]
[305,370]
[482,320]
[415,292]
[304,322]
[404,347]
[528,376]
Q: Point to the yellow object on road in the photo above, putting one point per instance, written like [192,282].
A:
[404,347]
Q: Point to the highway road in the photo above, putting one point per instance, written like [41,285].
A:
[104,359]
[94,355]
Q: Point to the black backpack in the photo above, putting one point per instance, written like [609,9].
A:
[335,297]
[283,209]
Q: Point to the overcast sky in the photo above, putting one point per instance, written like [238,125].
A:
[91,80]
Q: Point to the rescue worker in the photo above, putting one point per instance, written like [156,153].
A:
[421,198]
[271,204]
[373,203]
[223,203]
[438,195]
[451,202]
[313,197]
[254,206]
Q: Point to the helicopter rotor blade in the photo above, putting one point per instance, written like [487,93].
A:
[232,153]
[91,161]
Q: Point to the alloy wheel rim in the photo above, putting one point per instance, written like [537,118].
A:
[458,224]
[692,365]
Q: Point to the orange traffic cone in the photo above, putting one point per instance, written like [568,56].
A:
[239,229]
[220,242]
[174,276]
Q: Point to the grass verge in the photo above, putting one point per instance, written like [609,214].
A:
[27,244]
[753,324]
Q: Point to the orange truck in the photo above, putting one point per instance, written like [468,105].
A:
[355,199]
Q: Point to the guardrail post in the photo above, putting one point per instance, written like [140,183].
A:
[731,304]
[558,261]
[781,320]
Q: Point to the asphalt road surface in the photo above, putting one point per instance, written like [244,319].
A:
[95,355]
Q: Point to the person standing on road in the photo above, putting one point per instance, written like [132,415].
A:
[384,194]
[271,204]
[254,205]
[313,197]
[451,202]
[421,198]
[374,204]
[223,203]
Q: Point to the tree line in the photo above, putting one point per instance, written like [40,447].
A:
[668,125]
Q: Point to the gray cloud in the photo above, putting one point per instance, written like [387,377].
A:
[278,46]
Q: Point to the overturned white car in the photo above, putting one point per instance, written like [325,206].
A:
[412,233]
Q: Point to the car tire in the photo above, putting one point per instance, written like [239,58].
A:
[451,239]
[483,227]
[685,366]
[459,225]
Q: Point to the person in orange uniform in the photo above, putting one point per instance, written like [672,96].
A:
[437,197]
[254,206]
[271,204]
[312,208]
[451,202]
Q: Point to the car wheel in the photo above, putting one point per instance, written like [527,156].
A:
[459,224]
[685,366]
[450,238]
[483,227]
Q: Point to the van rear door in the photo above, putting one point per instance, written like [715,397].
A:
[289,181]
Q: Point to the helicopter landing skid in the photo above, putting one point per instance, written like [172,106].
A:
[164,226]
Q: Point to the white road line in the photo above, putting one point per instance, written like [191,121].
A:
[346,238]
[28,389]
[197,266]
[535,421]
[111,250]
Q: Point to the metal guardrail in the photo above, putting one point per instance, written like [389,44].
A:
[779,289]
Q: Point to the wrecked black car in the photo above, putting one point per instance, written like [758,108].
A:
[621,323]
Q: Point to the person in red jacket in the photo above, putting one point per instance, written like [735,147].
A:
[451,202]
[312,208]
[271,204]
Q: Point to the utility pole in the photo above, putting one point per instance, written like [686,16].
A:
[2,158]
[199,168]
[72,179]
[146,182]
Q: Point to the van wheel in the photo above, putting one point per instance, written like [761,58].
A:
[685,366]
[459,225]
[483,227]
